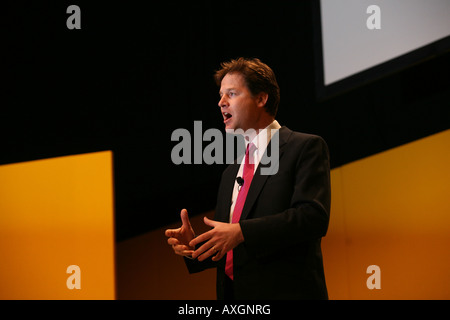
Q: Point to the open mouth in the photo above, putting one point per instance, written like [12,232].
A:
[226,116]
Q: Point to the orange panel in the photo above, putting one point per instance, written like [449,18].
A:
[334,244]
[392,210]
[55,213]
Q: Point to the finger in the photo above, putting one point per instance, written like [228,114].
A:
[173,241]
[218,256]
[220,253]
[183,250]
[172,232]
[201,250]
[201,238]
[204,251]
[187,253]
[211,252]
[178,248]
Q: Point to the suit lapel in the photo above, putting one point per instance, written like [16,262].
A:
[258,179]
[223,211]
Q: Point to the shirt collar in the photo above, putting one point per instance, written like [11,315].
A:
[262,139]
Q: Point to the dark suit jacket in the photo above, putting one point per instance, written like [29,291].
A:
[283,220]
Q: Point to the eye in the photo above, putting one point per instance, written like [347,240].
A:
[231,93]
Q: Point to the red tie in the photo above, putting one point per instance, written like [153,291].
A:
[249,167]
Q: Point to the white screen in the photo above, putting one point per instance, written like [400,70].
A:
[349,46]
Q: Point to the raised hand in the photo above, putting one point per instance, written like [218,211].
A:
[179,238]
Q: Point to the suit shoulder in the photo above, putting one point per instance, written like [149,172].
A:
[302,138]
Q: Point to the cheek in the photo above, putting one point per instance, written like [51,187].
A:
[245,113]
[240,109]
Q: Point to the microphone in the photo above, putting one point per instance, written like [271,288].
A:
[240,182]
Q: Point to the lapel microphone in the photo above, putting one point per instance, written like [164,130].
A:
[240,182]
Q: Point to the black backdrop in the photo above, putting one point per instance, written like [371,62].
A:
[135,72]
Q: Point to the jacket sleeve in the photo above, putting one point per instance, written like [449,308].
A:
[194,266]
[308,214]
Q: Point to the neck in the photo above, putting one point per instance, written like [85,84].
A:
[250,134]
[261,120]
[264,123]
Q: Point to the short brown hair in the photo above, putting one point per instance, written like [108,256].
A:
[258,76]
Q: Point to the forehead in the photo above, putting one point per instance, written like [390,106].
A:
[233,80]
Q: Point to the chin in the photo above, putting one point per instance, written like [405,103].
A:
[229,126]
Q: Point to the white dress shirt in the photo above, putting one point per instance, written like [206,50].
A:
[260,140]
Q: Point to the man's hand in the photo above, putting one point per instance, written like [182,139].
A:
[218,241]
[179,238]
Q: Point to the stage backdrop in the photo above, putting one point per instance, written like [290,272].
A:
[390,210]
[56,228]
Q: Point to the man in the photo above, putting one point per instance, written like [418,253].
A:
[266,233]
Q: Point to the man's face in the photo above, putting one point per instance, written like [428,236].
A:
[240,109]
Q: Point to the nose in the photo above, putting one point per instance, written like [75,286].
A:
[223,101]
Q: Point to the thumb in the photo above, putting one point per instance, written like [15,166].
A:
[185,219]
[209,222]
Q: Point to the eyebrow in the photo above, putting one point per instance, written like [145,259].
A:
[227,90]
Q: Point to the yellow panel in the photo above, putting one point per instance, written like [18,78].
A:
[55,213]
[395,207]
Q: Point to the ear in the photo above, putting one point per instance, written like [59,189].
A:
[261,99]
